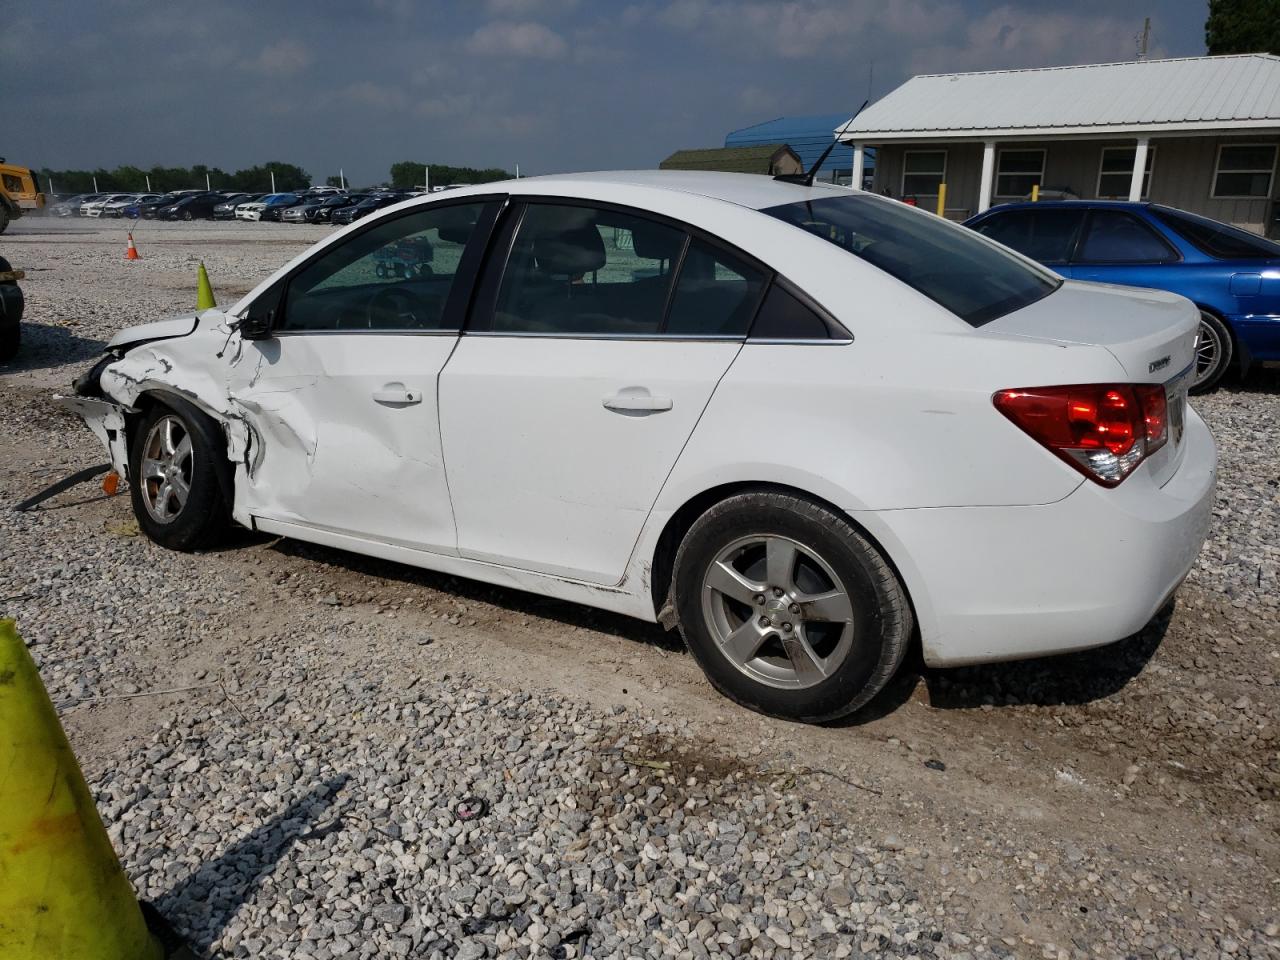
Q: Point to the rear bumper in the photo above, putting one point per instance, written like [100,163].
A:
[1007,583]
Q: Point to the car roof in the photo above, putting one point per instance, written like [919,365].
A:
[744,189]
[1036,204]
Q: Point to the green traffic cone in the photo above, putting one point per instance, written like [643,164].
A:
[204,292]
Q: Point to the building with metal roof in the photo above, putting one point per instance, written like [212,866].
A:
[1200,133]
[808,136]
[766,158]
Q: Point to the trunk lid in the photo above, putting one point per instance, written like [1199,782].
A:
[1151,333]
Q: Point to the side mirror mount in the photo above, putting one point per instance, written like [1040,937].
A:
[256,325]
[260,318]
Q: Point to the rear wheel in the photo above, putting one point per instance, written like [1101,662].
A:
[1214,350]
[788,608]
[4,217]
[178,496]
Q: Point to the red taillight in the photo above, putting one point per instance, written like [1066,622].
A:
[1103,430]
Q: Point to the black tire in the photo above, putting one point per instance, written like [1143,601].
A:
[1211,325]
[882,621]
[4,217]
[188,215]
[205,517]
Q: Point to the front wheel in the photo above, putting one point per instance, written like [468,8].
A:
[1214,350]
[788,608]
[188,215]
[177,493]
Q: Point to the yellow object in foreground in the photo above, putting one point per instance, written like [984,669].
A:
[63,894]
[204,292]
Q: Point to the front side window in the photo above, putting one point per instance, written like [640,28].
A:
[1017,171]
[395,276]
[1047,235]
[1219,240]
[1114,236]
[1244,170]
[951,265]
[922,172]
[1115,173]
[578,270]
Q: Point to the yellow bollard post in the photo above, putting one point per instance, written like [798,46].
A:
[204,292]
[63,894]
[942,199]
[1035,193]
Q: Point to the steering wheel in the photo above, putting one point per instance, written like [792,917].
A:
[391,301]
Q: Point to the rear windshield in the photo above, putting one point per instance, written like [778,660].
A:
[1219,240]
[973,278]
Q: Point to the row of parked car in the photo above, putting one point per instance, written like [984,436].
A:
[315,205]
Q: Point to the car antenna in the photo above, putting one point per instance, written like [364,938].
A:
[806,179]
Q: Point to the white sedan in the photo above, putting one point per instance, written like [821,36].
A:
[810,426]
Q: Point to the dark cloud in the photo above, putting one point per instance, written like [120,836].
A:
[551,84]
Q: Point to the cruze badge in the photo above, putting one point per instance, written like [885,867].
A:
[1155,365]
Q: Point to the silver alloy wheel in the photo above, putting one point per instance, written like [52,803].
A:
[1208,351]
[166,469]
[778,611]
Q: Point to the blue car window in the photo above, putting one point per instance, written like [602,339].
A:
[1113,236]
[1219,240]
[1047,234]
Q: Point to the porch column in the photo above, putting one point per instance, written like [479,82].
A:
[988,172]
[855,180]
[1139,168]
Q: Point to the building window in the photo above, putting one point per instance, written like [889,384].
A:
[1017,171]
[1244,170]
[1116,172]
[922,171]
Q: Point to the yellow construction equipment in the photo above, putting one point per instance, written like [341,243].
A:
[63,894]
[204,292]
[18,192]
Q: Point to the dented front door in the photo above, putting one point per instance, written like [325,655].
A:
[342,397]
[349,436]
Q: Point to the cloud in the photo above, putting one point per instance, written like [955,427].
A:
[503,38]
[283,59]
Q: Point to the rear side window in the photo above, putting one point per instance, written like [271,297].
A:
[1219,240]
[1047,235]
[950,265]
[587,271]
[1113,236]
[716,295]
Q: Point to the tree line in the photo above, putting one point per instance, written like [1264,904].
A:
[409,173]
[129,179]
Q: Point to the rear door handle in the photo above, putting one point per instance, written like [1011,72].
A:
[637,403]
[397,394]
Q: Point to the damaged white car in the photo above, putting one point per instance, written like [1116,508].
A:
[808,425]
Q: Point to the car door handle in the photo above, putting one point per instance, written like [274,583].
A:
[397,394]
[637,403]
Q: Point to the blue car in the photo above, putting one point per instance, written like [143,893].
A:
[1232,275]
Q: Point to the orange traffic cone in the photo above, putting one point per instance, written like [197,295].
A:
[132,252]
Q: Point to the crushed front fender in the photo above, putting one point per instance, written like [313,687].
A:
[106,420]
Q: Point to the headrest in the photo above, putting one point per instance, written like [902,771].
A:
[571,252]
[656,242]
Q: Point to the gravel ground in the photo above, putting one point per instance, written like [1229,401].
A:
[280,735]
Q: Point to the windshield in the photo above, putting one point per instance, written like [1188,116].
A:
[973,278]
[1219,240]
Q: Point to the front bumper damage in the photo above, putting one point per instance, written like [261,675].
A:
[107,422]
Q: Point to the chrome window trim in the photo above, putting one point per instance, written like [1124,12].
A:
[382,332]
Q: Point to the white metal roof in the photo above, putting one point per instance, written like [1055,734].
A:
[1143,96]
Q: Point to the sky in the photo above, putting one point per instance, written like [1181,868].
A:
[553,85]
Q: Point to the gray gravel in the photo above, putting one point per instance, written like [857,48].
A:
[295,794]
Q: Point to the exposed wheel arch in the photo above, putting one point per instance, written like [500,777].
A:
[663,562]
[1237,360]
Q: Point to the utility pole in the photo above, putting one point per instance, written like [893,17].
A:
[426,178]
[273,181]
[1144,38]
[517,171]
[148,183]
[206,183]
[95,184]
[342,179]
